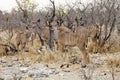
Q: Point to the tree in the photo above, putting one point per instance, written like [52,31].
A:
[60,15]
[102,14]
[106,15]
[50,19]
[26,7]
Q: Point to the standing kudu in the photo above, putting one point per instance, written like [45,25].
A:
[20,38]
[81,38]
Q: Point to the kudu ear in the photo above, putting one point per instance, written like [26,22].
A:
[49,23]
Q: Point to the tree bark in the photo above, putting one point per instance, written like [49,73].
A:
[51,40]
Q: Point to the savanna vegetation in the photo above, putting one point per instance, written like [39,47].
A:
[54,31]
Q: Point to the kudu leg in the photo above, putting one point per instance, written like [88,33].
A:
[85,58]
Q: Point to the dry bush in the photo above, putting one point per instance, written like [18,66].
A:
[19,40]
[112,45]
[5,36]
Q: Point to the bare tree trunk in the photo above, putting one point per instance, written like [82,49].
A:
[51,40]
[49,23]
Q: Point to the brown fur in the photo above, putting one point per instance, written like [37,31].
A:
[80,39]
[21,40]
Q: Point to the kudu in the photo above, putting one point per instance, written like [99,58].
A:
[83,37]
[26,39]
[67,37]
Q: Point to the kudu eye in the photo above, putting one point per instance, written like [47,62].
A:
[27,28]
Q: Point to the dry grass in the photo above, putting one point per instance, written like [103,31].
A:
[72,39]
[113,62]
[111,46]
[49,57]
[58,56]
[2,50]
[114,46]
[35,45]
[30,56]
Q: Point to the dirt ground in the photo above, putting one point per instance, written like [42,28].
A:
[26,67]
